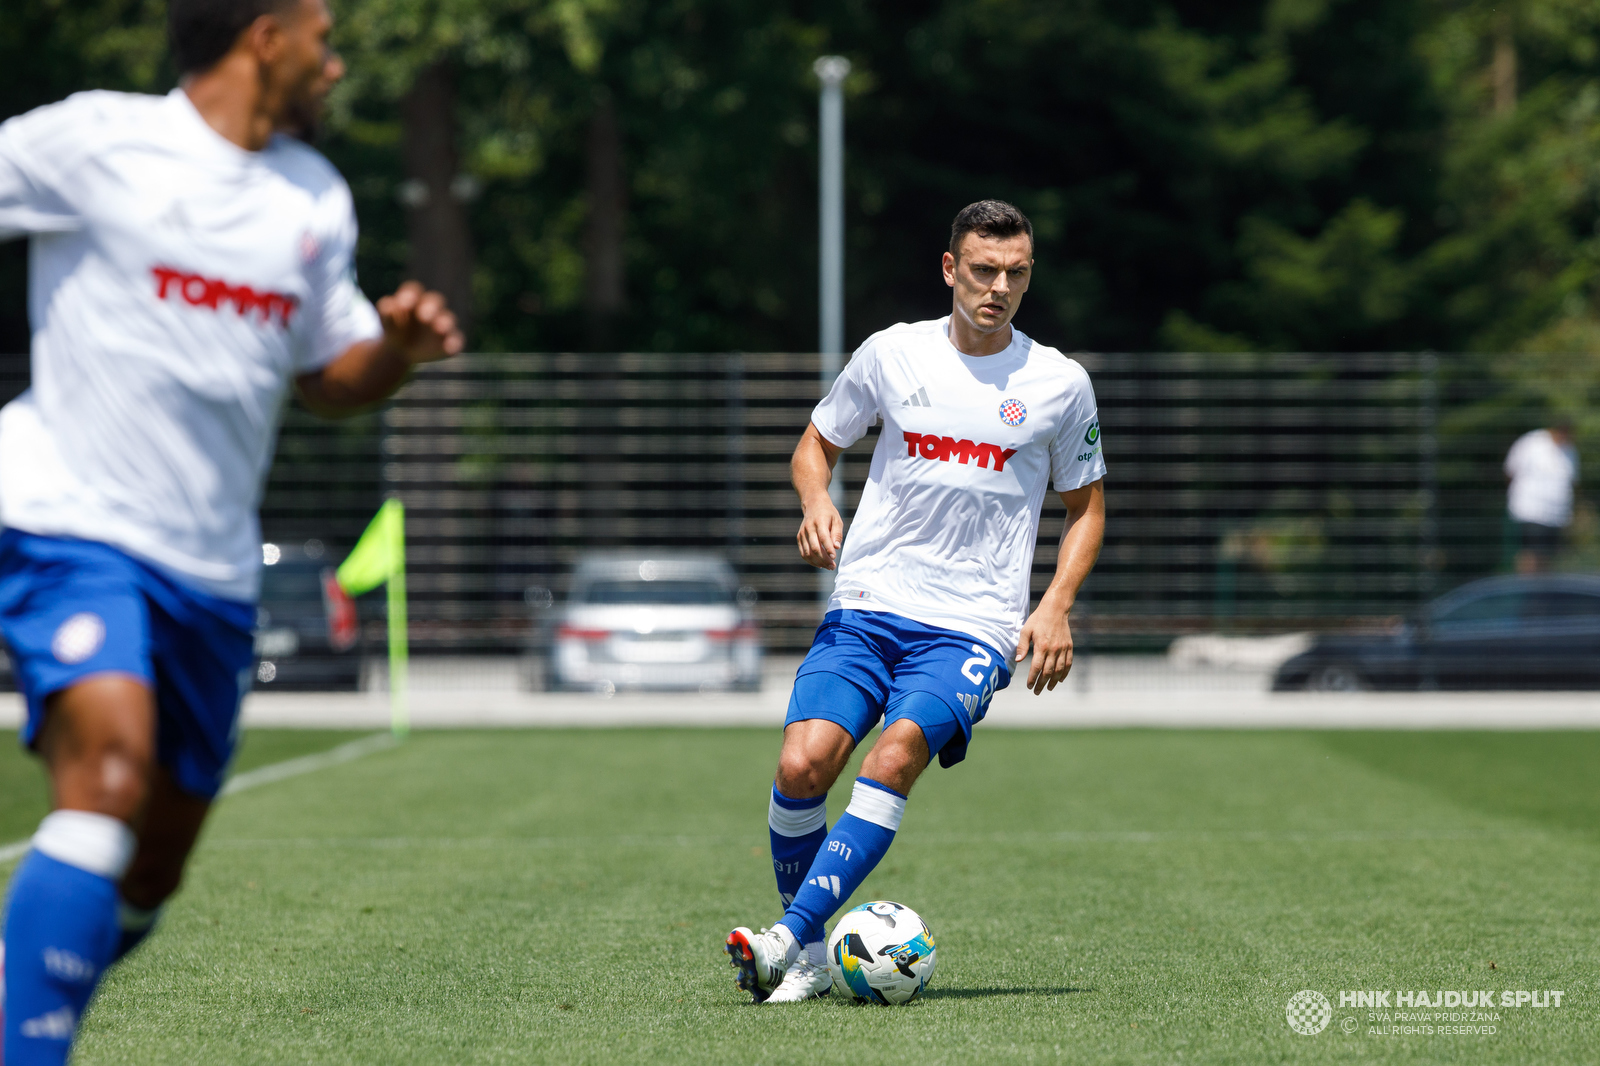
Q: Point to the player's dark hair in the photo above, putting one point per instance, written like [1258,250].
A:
[201,32]
[988,218]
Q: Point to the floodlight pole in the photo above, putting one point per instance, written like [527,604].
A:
[831,72]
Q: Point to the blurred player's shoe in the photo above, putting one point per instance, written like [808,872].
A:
[761,959]
[805,980]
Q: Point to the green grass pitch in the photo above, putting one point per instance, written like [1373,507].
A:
[1119,897]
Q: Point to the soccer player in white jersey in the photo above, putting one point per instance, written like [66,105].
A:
[932,584]
[190,263]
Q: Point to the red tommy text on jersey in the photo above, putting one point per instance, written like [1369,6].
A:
[210,293]
[933,446]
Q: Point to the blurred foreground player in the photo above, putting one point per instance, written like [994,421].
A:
[933,580]
[189,263]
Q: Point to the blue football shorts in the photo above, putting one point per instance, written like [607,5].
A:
[865,665]
[70,609]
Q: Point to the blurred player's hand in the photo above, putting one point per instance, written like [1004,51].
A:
[821,534]
[418,325]
[1048,634]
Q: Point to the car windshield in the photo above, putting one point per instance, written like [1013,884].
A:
[683,593]
[1495,607]
[1556,604]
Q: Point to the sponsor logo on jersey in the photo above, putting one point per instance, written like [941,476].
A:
[211,293]
[944,449]
[917,399]
[1093,436]
[1013,413]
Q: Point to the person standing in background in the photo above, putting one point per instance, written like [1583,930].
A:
[1541,467]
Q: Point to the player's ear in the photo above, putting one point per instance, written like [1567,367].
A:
[264,37]
[949,265]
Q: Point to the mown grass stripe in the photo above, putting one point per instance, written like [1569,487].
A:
[265,775]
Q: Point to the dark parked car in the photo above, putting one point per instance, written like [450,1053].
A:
[1533,632]
[307,631]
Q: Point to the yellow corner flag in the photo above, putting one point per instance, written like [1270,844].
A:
[380,557]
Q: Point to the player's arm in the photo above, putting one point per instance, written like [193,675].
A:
[821,530]
[417,328]
[1048,633]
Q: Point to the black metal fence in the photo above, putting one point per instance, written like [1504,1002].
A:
[1246,493]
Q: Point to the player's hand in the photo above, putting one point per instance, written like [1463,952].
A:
[821,534]
[1048,634]
[418,326]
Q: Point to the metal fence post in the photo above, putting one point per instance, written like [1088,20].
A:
[831,71]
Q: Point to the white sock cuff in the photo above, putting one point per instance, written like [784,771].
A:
[872,804]
[97,843]
[791,946]
[788,822]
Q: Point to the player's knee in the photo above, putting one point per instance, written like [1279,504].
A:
[801,774]
[111,778]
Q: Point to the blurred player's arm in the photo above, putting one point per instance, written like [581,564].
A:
[1048,633]
[417,328]
[821,530]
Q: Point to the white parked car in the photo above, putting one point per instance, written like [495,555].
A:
[658,621]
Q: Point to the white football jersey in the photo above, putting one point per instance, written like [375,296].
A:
[946,528]
[177,285]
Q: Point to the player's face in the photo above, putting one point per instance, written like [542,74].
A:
[989,279]
[305,69]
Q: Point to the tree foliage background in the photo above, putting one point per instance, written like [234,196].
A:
[1240,174]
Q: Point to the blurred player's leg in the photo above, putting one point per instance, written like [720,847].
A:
[61,928]
[170,828]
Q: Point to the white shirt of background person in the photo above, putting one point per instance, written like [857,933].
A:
[1542,466]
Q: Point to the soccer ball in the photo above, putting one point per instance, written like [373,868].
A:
[882,952]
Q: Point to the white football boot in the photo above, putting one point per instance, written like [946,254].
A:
[761,959]
[805,980]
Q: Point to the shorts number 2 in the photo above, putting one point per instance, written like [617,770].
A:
[979,660]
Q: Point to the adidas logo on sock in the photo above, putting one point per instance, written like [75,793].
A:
[57,1025]
[823,881]
[917,399]
[68,966]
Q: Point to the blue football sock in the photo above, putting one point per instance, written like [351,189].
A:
[797,828]
[860,838]
[61,932]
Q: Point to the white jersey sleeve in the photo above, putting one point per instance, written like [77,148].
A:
[340,314]
[35,150]
[1076,458]
[852,405]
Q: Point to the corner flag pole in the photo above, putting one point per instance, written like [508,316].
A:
[399,642]
[378,558]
